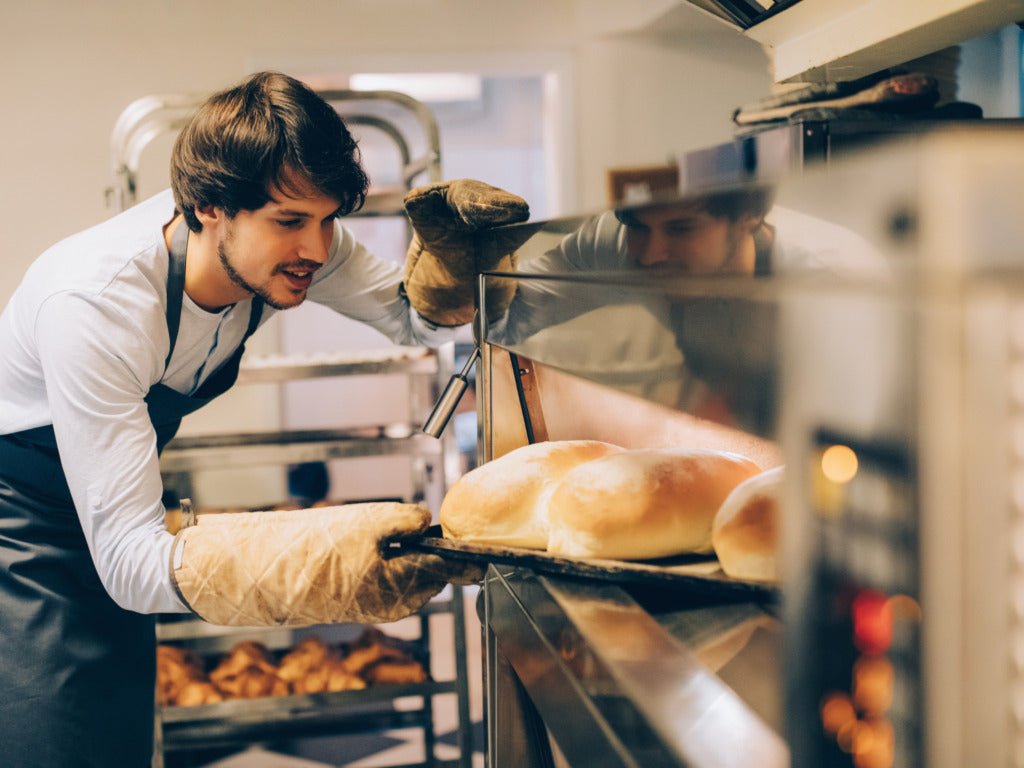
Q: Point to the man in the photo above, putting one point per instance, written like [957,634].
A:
[730,231]
[118,332]
[695,346]
[722,233]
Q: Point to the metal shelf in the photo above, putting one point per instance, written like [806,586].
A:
[291,447]
[149,117]
[316,714]
[196,629]
[390,202]
[277,368]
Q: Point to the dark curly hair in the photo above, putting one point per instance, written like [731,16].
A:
[268,131]
[728,202]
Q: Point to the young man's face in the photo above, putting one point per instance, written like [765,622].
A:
[274,251]
[685,238]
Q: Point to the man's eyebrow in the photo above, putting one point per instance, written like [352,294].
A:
[303,214]
[627,218]
[290,212]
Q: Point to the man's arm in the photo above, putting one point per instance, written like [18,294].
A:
[306,567]
[596,245]
[360,285]
[98,365]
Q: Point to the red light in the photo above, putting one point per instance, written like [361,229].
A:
[872,622]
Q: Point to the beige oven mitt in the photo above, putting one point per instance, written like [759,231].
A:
[442,263]
[308,566]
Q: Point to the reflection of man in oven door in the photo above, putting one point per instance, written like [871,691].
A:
[735,231]
[716,234]
[673,348]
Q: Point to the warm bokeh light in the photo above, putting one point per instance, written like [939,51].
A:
[872,622]
[836,711]
[874,744]
[904,608]
[847,735]
[839,464]
[873,681]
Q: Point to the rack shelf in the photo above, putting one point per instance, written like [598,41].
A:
[278,368]
[291,447]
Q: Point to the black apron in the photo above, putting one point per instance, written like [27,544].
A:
[77,672]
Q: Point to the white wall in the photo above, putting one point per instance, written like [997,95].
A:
[990,73]
[70,68]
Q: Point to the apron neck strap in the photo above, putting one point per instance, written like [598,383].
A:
[176,288]
[175,284]
[764,243]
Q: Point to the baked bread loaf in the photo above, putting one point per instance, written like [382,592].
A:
[331,676]
[196,693]
[643,504]
[308,654]
[504,502]
[176,668]
[395,672]
[248,672]
[746,528]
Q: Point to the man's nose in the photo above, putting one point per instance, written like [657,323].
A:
[654,251]
[315,246]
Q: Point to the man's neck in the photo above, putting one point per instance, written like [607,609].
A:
[205,281]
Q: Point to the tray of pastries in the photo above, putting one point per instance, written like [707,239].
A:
[250,670]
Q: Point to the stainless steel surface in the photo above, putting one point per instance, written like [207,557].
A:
[446,404]
[611,684]
[773,152]
[704,345]
[270,708]
[484,405]
[892,325]
[524,372]
[290,447]
[822,40]
[151,116]
[686,575]
[906,566]
[260,370]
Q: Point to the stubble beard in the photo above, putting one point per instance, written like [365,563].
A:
[733,262]
[223,252]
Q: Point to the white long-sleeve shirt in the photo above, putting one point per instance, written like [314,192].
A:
[84,338]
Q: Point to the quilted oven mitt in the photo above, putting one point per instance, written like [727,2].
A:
[310,566]
[442,264]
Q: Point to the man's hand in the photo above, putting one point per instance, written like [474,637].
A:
[441,265]
[309,566]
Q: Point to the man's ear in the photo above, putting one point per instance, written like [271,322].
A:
[750,222]
[209,215]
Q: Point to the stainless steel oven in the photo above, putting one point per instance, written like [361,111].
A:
[875,353]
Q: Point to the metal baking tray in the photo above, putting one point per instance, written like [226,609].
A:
[699,574]
[269,707]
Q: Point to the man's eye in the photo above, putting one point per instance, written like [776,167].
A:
[290,223]
[682,229]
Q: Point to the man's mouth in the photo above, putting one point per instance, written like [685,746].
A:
[298,279]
